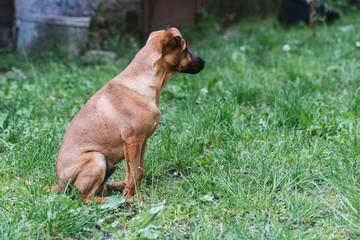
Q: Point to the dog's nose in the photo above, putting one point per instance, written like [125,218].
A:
[201,64]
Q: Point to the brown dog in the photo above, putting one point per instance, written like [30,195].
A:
[118,119]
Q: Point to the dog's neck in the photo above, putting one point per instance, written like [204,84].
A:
[144,75]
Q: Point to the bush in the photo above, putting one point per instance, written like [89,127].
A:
[344,5]
[231,11]
[228,11]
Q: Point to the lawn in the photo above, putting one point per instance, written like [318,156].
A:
[264,143]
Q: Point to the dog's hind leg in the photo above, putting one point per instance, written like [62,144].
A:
[92,176]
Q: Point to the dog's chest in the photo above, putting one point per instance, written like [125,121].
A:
[154,123]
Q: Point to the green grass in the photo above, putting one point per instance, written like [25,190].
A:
[263,144]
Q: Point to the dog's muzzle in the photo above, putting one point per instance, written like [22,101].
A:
[196,65]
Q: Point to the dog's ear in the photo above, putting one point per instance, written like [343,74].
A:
[154,34]
[172,40]
[176,36]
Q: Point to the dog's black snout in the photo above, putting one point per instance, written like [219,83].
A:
[196,65]
[201,63]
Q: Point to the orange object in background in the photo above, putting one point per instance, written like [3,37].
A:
[164,13]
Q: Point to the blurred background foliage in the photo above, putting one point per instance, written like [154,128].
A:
[228,12]
[219,14]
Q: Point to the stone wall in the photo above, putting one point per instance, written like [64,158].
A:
[76,8]
[123,15]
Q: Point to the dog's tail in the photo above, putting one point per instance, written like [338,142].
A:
[55,189]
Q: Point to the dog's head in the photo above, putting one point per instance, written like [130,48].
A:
[175,55]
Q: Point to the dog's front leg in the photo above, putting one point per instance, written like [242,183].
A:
[134,170]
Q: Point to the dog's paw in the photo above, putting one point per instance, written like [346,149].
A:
[135,199]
